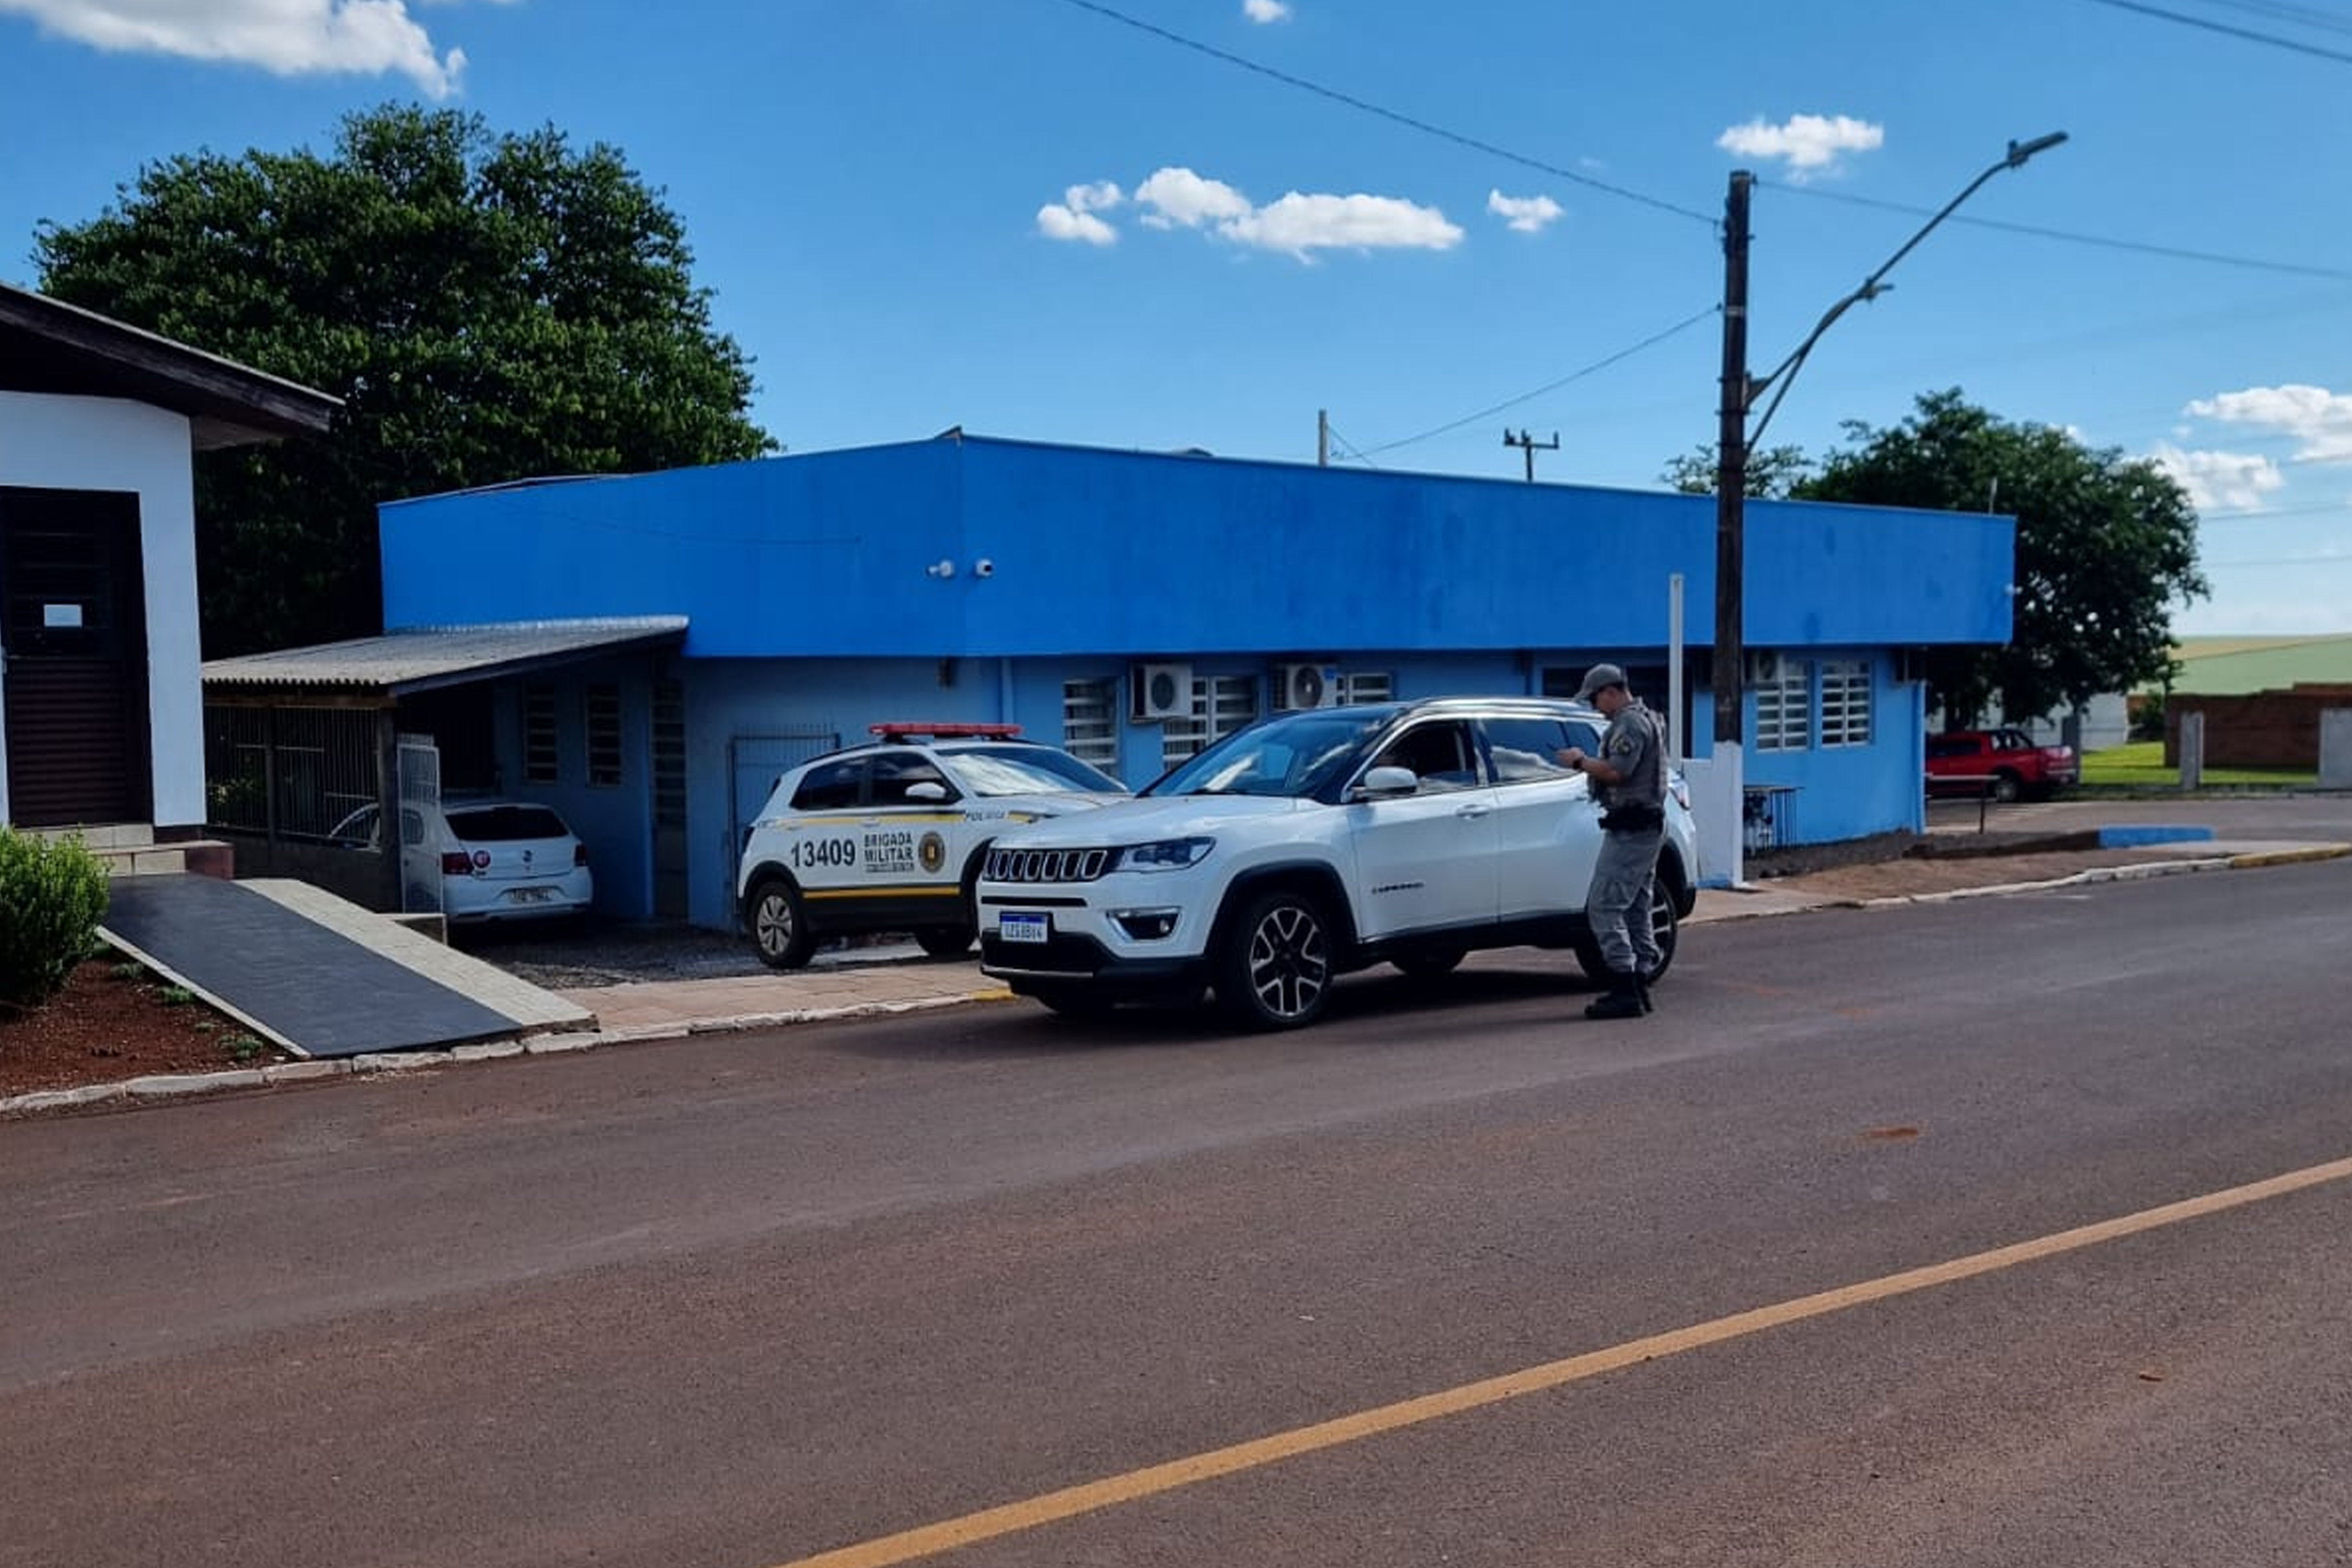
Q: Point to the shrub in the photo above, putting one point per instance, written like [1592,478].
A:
[52,896]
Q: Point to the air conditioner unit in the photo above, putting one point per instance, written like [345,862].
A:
[1764,668]
[1160,691]
[1305,686]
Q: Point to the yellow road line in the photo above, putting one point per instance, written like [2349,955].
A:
[950,890]
[1090,1496]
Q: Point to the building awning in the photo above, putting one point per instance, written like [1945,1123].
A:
[422,659]
[49,347]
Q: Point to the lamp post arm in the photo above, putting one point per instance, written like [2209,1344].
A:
[1874,285]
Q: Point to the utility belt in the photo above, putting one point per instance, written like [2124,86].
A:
[1634,817]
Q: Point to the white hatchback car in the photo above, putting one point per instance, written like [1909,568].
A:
[482,860]
[889,835]
[1316,842]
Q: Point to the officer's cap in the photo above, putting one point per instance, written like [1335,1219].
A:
[1598,677]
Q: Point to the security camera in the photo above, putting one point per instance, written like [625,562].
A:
[983,567]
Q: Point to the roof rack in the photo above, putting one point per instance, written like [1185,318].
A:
[907,728]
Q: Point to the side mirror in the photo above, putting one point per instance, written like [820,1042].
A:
[1387,784]
[927,792]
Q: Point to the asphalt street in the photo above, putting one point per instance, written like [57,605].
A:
[1793,1272]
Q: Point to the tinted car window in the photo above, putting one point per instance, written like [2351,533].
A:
[1948,747]
[1585,737]
[1025,770]
[1441,753]
[1523,749]
[833,786]
[896,773]
[506,824]
[1295,756]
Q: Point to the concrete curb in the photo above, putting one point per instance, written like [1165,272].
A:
[173,1086]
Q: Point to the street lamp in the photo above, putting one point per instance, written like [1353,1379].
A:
[1736,440]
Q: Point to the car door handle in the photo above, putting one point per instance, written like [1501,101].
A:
[1472,811]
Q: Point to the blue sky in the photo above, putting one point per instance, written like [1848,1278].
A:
[1035,219]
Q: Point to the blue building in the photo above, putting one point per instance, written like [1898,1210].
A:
[1131,606]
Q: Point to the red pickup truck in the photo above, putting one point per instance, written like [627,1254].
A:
[2002,764]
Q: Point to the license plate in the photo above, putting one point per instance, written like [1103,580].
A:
[530,895]
[1022,928]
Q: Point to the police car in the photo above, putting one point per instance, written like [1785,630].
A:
[889,835]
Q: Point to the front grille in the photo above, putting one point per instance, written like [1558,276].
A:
[1046,865]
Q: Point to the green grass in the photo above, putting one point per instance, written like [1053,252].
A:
[2141,764]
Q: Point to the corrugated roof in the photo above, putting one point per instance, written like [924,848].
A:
[417,658]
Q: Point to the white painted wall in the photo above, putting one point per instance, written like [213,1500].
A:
[108,444]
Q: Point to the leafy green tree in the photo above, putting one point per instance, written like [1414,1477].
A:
[1772,473]
[2106,545]
[488,306]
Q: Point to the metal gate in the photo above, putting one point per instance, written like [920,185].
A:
[420,803]
[754,763]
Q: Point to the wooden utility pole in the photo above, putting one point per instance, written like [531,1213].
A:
[1531,445]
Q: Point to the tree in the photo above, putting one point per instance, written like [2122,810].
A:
[488,308]
[1772,473]
[2106,546]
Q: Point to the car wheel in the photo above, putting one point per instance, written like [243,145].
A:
[1666,926]
[944,941]
[2007,787]
[1429,965]
[780,927]
[1274,970]
[1074,1001]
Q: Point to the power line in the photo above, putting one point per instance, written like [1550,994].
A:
[1353,450]
[2280,11]
[2212,27]
[1601,364]
[2172,252]
[1423,126]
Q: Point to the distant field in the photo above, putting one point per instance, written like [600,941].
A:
[2141,762]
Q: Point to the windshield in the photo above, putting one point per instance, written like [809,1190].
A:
[1298,755]
[1027,770]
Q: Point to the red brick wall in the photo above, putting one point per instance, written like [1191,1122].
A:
[2265,730]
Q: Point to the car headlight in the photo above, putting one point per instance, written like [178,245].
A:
[1168,855]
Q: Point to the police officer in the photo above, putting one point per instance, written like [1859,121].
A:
[1629,780]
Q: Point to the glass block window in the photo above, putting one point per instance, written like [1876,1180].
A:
[1845,702]
[1221,705]
[603,734]
[1091,722]
[1784,708]
[539,746]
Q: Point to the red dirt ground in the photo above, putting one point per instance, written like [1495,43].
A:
[115,1020]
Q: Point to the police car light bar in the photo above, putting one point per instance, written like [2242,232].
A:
[907,729]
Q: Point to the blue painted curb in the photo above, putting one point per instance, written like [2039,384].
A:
[2150,832]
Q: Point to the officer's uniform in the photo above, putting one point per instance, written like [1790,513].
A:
[1634,820]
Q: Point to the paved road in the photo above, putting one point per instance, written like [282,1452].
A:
[736,1301]
[2256,815]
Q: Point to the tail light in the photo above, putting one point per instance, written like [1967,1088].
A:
[580,853]
[457,863]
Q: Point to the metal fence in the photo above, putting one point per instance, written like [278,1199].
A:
[291,772]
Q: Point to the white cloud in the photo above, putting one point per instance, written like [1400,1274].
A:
[1264,11]
[2221,481]
[1181,196]
[1299,223]
[1809,144]
[1072,218]
[2320,419]
[286,37]
[1528,215]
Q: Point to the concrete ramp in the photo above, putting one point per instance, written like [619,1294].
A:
[317,975]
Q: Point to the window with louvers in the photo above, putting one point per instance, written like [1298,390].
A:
[1221,705]
[1845,702]
[1091,722]
[1784,709]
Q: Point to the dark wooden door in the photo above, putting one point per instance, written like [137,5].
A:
[73,632]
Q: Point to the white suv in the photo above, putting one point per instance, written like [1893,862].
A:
[1316,842]
[888,835]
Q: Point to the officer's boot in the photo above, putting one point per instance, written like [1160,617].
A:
[1641,989]
[1621,1000]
